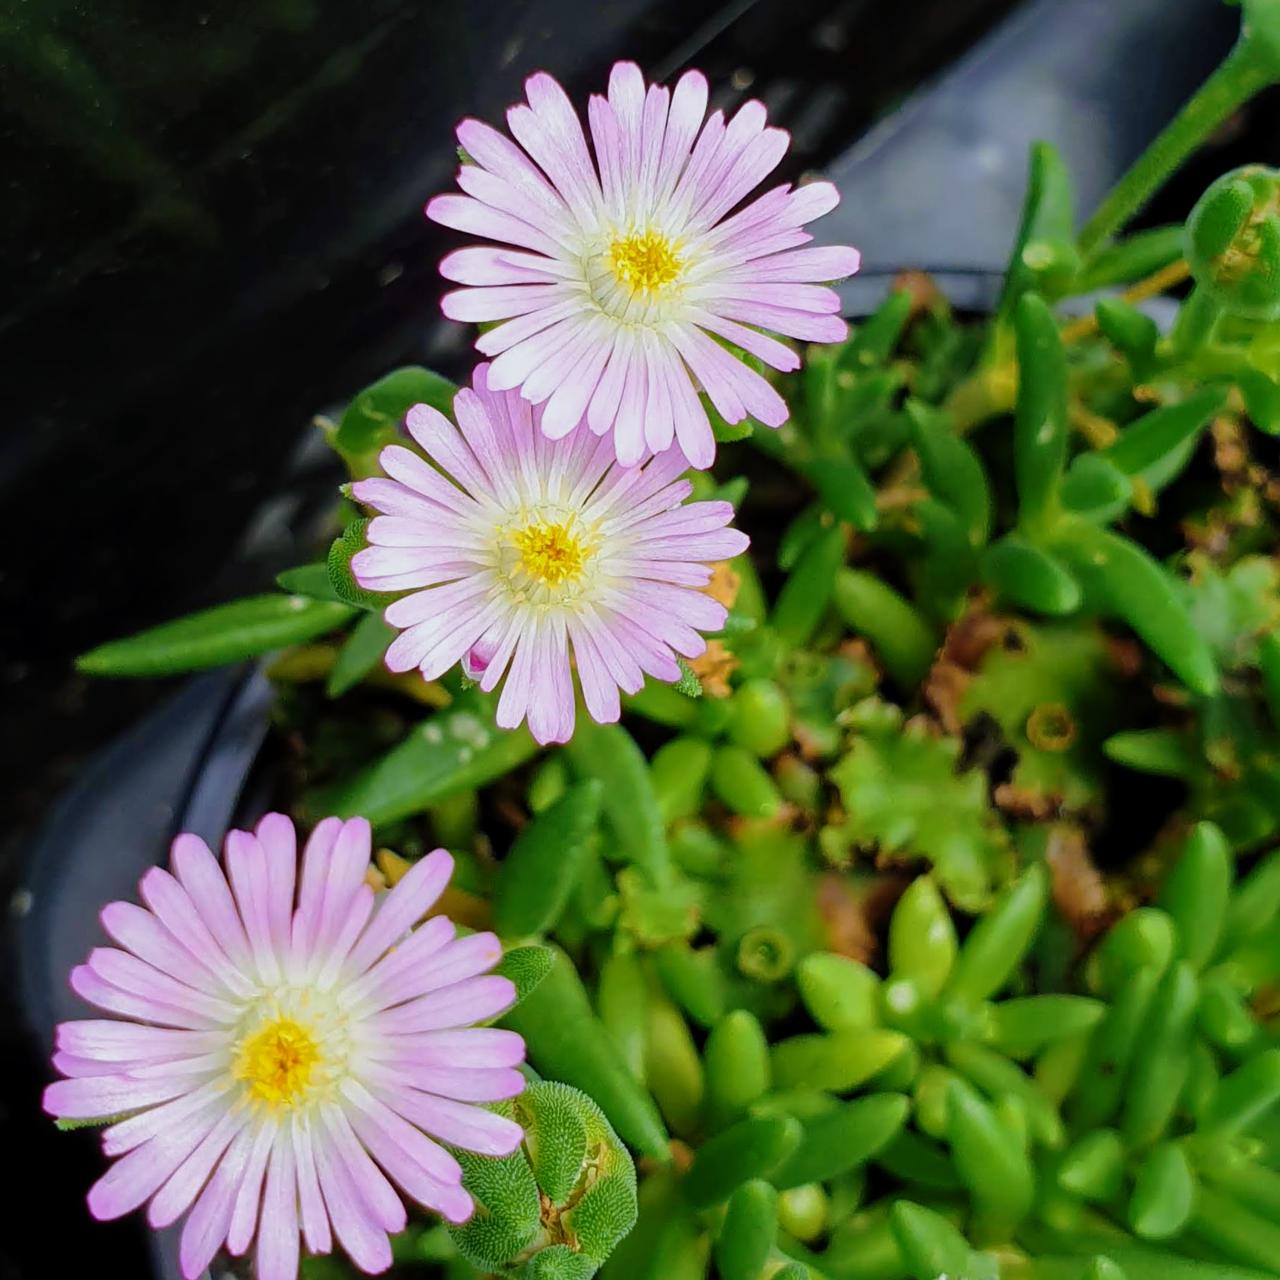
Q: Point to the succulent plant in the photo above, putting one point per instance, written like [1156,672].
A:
[555,1209]
[930,925]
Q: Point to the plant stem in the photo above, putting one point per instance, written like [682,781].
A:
[1197,318]
[1241,74]
[1158,282]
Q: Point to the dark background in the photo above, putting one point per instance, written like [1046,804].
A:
[211,231]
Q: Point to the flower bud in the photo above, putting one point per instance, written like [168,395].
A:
[1233,242]
[571,1180]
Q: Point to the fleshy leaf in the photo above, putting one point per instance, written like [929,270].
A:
[214,637]
[906,799]
[1054,694]
[526,967]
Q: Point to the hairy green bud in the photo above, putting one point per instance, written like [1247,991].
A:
[555,1209]
[1233,242]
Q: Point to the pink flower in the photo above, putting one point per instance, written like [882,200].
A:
[527,550]
[611,277]
[279,1059]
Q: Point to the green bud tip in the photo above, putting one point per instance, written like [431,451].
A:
[1233,242]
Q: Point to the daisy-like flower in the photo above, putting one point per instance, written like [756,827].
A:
[283,1058]
[527,550]
[611,276]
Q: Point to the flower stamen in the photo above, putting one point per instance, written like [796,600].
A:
[644,262]
[277,1062]
[551,554]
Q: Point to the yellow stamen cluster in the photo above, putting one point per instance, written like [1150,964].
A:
[644,262]
[551,554]
[277,1061]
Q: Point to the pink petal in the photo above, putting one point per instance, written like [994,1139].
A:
[206,1228]
[345,878]
[430,967]
[493,302]
[141,933]
[465,1002]
[599,690]
[476,1085]
[353,1223]
[440,1165]
[768,349]
[135,1177]
[202,878]
[95,1097]
[315,874]
[458,1123]
[277,1257]
[173,907]
[467,1047]
[483,266]
[89,986]
[795,324]
[110,1041]
[376,1192]
[819,264]
[248,1202]
[156,1121]
[247,867]
[462,213]
[400,964]
[406,904]
[314,1216]
[395,1145]
[276,835]
[126,972]
[177,1194]
[688,108]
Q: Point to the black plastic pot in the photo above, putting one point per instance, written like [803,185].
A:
[936,185]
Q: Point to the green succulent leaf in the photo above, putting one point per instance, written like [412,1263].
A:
[507,1214]
[455,750]
[1025,574]
[373,419]
[1125,581]
[526,967]
[342,578]
[1055,694]
[308,580]
[1044,250]
[907,799]
[1236,608]
[361,652]
[215,637]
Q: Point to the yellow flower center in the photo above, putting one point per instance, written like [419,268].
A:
[551,553]
[644,262]
[277,1061]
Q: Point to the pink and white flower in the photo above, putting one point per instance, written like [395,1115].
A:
[526,551]
[284,1054]
[611,275]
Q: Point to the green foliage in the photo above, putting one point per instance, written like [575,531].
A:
[937,933]
[451,752]
[342,578]
[1233,242]
[555,1209]
[361,652]
[1052,691]
[907,799]
[542,866]
[374,418]
[214,637]
[526,967]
